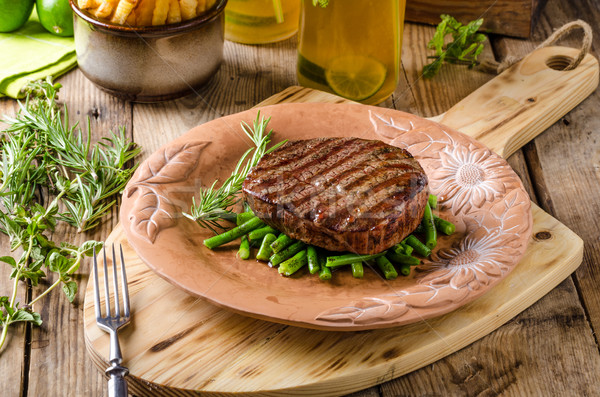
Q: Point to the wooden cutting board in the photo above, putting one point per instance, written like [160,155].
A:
[178,344]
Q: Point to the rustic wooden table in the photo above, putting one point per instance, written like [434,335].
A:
[549,349]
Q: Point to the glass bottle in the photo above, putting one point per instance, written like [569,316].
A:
[351,47]
[261,21]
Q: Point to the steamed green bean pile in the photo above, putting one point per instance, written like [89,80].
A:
[290,255]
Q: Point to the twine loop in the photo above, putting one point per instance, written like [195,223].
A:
[586,43]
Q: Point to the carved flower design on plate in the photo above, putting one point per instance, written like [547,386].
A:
[474,263]
[468,176]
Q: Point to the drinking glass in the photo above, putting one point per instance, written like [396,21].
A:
[351,47]
[261,21]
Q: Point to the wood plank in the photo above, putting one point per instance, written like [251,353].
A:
[58,359]
[13,360]
[540,352]
[13,364]
[508,17]
[570,189]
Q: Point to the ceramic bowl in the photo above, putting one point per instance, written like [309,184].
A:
[150,63]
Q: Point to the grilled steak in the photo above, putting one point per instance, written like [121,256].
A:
[341,194]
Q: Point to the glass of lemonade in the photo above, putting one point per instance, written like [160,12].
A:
[351,47]
[261,21]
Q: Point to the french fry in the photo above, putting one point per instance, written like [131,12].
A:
[144,12]
[201,7]
[86,4]
[174,15]
[131,18]
[210,4]
[161,9]
[188,9]
[104,10]
[123,11]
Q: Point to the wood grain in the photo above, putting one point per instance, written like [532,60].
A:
[570,192]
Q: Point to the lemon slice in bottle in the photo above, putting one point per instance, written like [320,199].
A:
[355,77]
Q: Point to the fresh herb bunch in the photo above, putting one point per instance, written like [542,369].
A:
[40,152]
[215,204]
[466,46]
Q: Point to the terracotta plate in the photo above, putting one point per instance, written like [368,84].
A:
[480,193]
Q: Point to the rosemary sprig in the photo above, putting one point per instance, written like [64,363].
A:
[215,204]
[40,151]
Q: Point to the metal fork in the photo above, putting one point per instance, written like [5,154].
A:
[117,386]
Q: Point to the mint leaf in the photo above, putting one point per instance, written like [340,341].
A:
[464,49]
[26,316]
[8,259]
[58,263]
[88,247]
[70,288]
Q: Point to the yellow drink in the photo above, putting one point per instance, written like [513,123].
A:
[261,21]
[351,48]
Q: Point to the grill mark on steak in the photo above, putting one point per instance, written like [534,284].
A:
[298,160]
[340,214]
[272,185]
[344,183]
[344,168]
[342,194]
[319,162]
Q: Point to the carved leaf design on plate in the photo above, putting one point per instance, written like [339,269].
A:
[173,164]
[389,127]
[151,213]
[154,210]
[365,311]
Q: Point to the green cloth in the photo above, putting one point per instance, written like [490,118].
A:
[32,53]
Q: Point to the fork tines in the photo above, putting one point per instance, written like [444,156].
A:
[116,313]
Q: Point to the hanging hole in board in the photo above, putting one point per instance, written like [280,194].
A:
[559,62]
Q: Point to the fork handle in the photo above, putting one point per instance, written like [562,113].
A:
[117,385]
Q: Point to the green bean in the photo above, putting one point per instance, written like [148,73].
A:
[324,272]
[348,259]
[287,253]
[281,242]
[293,264]
[430,230]
[258,234]
[386,267]
[243,217]
[313,259]
[405,269]
[265,251]
[418,246]
[402,259]
[444,226]
[234,233]
[402,249]
[244,251]
[408,250]
[357,270]
[432,201]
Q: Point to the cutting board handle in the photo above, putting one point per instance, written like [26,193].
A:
[517,105]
